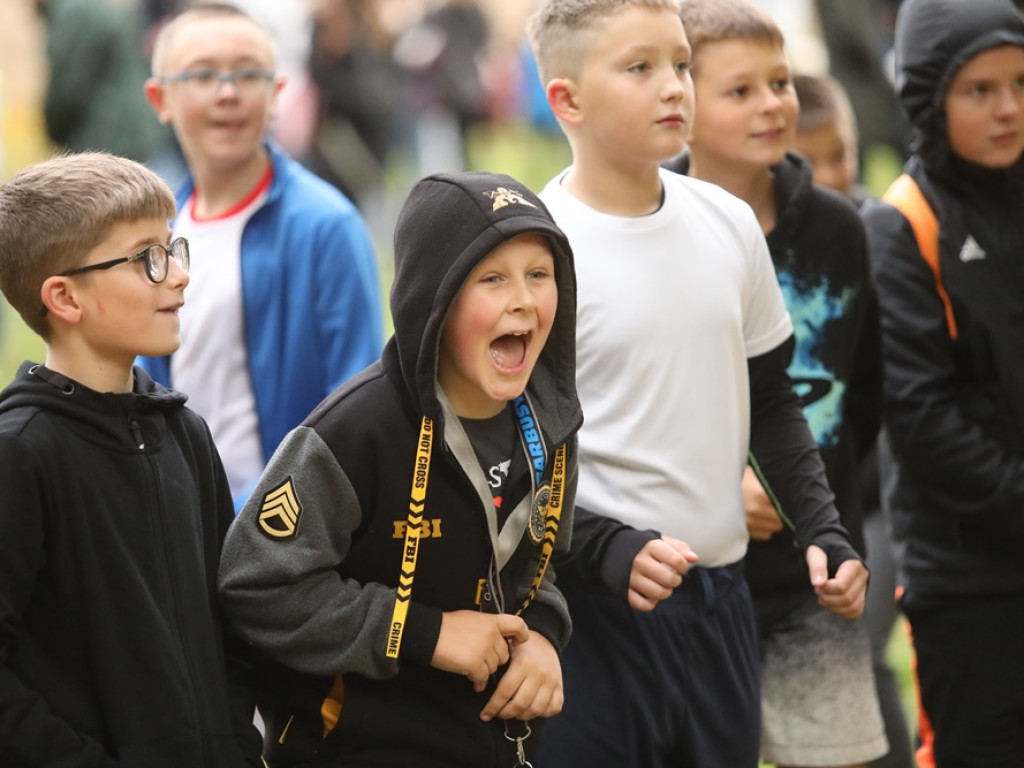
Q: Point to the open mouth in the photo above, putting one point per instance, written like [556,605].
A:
[509,351]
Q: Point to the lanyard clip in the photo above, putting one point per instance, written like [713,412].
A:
[521,761]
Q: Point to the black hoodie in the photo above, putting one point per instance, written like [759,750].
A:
[954,408]
[111,644]
[820,255]
[315,585]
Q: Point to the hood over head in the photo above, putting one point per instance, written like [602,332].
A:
[448,225]
[934,39]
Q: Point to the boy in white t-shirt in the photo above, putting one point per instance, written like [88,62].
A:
[683,341]
[285,298]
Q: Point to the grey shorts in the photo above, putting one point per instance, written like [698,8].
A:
[818,700]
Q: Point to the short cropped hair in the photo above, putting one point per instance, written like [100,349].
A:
[560,31]
[200,11]
[715,21]
[53,213]
[823,101]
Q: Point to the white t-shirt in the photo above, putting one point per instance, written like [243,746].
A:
[670,306]
[211,366]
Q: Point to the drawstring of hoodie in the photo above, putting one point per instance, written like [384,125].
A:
[67,387]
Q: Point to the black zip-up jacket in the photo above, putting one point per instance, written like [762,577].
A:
[955,408]
[820,254]
[112,649]
[311,567]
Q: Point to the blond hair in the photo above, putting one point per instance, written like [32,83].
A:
[53,213]
[560,31]
[714,21]
[199,12]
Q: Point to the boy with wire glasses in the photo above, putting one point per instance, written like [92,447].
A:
[115,503]
[284,303]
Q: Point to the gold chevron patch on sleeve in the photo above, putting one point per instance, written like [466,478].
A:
[280,511]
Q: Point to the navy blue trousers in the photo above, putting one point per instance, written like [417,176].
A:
[677,687]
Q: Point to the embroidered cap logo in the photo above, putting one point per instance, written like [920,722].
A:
[502,197]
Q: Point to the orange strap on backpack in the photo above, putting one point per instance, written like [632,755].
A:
[905,196]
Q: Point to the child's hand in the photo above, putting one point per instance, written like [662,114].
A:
[531,686]
[843,594]
[475,644]
[657,569]
[763,520]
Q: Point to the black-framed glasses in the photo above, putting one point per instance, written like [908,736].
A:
[155,257]
[206,83]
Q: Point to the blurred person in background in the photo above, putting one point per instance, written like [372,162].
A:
[856,37]
[93,98]
[360,94]
[284,303]
[443,55]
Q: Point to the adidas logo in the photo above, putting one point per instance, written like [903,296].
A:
[971,251]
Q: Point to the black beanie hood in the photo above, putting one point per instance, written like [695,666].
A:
[447,226]
[934,39]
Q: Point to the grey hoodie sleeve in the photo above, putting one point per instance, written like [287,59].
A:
[278,577]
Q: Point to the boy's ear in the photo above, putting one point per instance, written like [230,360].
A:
[59,298]
[561,93]
[155,96]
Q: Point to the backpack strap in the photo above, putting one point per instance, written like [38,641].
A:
[905,195]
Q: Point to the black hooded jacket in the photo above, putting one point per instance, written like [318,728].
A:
[819,251]
[318,596]
[954,408]
[112,651]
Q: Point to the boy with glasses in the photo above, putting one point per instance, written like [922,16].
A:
[115,503]
[155,258]
[285,303]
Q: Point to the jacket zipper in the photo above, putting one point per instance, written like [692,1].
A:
[136,429]
[169,580]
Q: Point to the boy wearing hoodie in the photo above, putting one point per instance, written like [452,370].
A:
[954,374]
[743,127]
[422,627]
[113,651]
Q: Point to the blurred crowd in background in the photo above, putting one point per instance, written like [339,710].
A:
[379,92]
